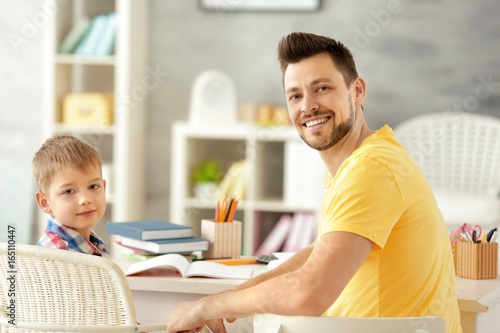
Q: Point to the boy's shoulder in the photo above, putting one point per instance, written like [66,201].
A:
[72,241]
[53,240]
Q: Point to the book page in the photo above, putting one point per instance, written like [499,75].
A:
[282,257]
[215,270]
[172,261]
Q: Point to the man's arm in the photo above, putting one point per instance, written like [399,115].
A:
[308,290]
[292,264]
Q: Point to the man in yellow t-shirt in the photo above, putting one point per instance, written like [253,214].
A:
[382,248]
[409,271]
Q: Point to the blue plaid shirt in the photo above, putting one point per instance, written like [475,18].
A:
[61,237]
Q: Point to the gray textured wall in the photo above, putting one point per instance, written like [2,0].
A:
[428,56]
[425,57]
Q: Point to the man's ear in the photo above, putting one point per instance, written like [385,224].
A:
[42,202]
[359,87]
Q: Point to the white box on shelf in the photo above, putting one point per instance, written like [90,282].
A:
[304,175]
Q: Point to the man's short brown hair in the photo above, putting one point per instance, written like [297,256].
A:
[298,46]
[62,151]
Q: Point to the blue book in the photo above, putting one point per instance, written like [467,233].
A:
[89,42]
[149,229]
[106,44]
[175,245]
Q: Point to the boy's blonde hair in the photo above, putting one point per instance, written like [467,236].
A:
[62,151]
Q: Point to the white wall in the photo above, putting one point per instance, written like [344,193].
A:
[20,108]
[427,57]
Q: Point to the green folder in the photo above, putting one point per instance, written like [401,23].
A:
[74,37]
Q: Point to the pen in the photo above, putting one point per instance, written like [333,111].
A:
[217,209]
[490,234]
[235,261]
[474,237]
[222,210]
[494,236]
[233,211]
[483,238]
[466,235]
[230,206]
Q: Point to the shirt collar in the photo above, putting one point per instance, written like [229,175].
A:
[75,240]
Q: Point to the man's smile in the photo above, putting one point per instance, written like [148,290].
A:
[317,121]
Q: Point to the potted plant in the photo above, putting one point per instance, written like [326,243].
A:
[205,178]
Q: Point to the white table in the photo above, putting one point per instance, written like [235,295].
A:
[155,297]
[479,303]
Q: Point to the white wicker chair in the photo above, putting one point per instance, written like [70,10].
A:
[269,323]
[459,153]
[65,291]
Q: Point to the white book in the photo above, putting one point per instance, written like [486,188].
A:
[308,230]
[303,163]
[281,258]
[294,240]
[177,264]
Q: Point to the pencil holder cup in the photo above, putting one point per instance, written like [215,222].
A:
[224,238]
[476,260]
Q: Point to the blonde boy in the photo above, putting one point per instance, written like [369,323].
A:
[72,192]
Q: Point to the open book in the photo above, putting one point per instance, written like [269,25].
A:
[176,264]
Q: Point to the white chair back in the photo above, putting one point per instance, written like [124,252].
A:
[59,290]
[459,154]
[269,323]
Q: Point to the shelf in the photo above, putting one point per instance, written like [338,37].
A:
[264,149]
[277,205]
[208,204]
[83,129]
[239,131]
[268,205]
[121,144]
[71,59]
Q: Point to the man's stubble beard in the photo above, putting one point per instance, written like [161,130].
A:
[338,132]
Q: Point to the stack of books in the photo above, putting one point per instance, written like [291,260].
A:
[153,237]
[91,37]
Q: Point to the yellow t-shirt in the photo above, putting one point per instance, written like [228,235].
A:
[381,194]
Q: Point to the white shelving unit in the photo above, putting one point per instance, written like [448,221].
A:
[262,147]
[121,144]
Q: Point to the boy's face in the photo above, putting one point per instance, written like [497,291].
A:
[76,198]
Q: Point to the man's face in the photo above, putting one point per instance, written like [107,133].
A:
[319,102]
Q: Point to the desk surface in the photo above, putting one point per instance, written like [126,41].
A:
[478,295]
[473,295]
[205,286]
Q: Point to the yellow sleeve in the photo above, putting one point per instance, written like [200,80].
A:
[363,199]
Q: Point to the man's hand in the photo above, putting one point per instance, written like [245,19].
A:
[188,318]
[184,318]
[217,325]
